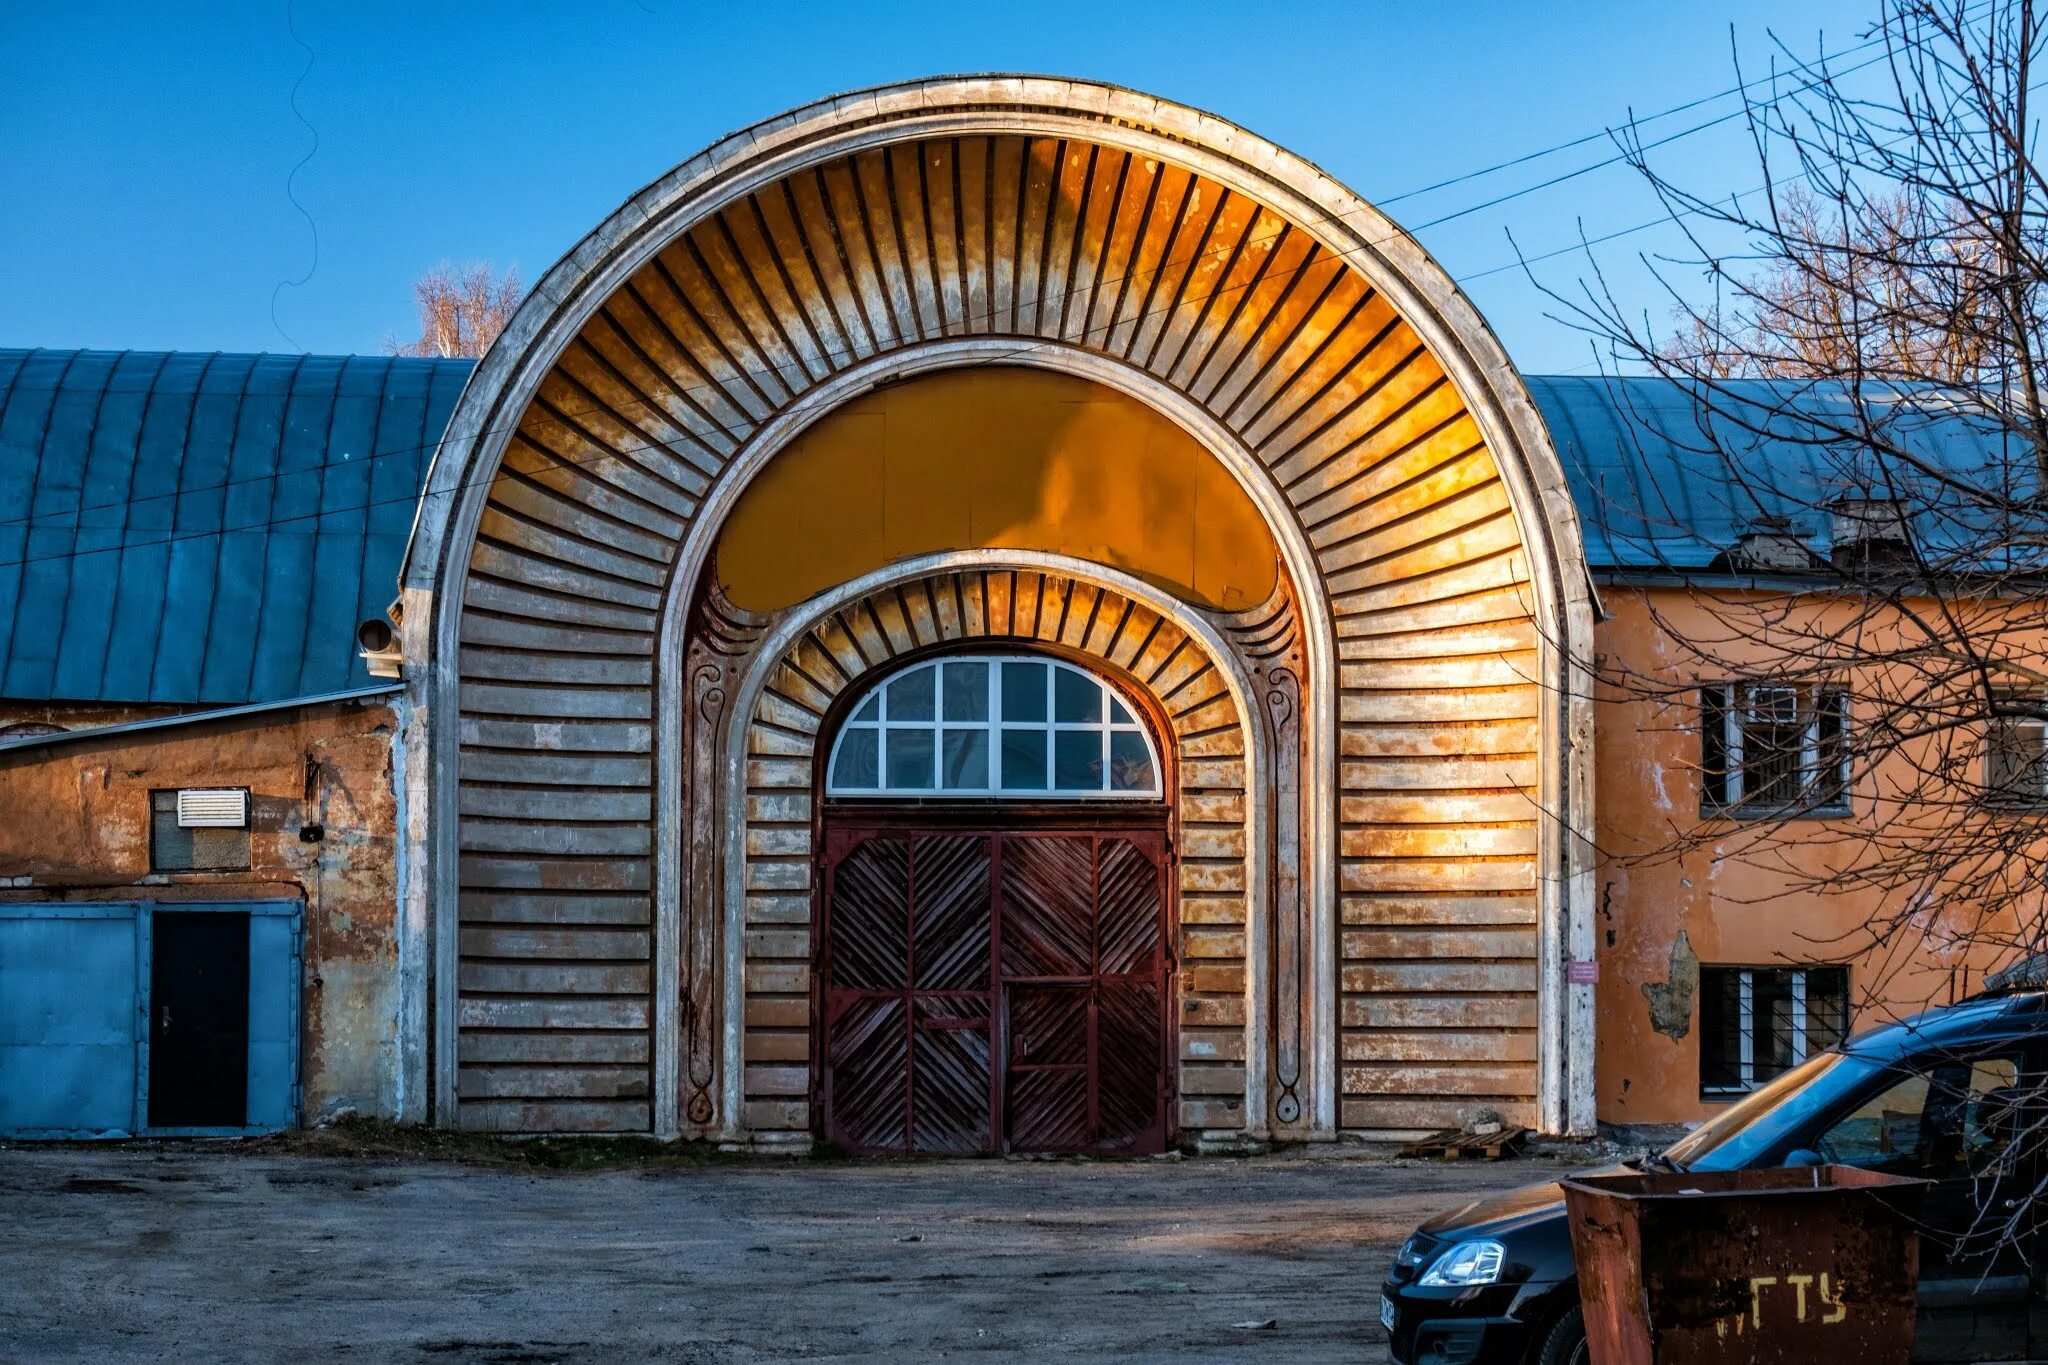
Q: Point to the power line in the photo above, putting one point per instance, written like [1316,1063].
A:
[1661,114]
[290,187]
[831,354]
[838,354]
[1581,245]
[1628,154]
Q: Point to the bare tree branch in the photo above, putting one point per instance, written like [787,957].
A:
[462,310]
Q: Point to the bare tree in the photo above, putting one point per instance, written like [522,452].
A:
[462,310]
[1860,345]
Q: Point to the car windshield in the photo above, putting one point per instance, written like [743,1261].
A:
[1739,1136]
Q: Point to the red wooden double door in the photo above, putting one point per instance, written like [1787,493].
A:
[994,990]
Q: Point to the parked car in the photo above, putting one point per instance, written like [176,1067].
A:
[1955,1096]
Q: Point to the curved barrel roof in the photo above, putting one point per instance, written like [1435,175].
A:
[208,529]
[199,528]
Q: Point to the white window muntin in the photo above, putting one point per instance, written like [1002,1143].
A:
[1821,757]
[977,697]
[1745,1041]
[2016,755]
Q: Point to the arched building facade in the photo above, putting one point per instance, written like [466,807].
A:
[1021,373]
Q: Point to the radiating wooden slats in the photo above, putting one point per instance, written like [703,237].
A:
[1039,239]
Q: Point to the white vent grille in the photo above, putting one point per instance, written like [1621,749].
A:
[213,808]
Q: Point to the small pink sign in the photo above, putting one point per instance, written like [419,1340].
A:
[1583,972]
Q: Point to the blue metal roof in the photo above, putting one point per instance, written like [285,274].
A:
[208,529]
[1668,478]
[204,528]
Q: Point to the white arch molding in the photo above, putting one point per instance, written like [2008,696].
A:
[1395,266]
[1319,880]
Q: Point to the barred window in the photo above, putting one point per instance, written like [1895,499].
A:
[2016,759]
[1773,748]
[1757,1023]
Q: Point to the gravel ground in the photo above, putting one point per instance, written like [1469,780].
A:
[203,1254]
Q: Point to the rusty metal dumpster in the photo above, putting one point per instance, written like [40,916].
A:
[1797,1265]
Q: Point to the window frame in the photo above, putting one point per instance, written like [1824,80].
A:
[2002,793]
[1727,708]
[247,830]
[1747,1082]
[993,724]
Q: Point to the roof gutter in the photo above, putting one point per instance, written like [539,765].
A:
[254,708]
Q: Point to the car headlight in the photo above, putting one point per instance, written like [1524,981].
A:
[1468,1263]
[1409,1257]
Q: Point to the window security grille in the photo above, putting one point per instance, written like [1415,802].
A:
[1756,1023]
[175,846]
[1773,748]
[2016,760]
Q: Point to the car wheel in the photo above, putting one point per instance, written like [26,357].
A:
[1566,1343]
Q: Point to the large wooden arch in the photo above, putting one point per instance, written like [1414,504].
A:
[1436,559]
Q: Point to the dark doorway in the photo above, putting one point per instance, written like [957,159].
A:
[199,1019]
[995,989]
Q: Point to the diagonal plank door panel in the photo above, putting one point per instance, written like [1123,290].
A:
[994,990]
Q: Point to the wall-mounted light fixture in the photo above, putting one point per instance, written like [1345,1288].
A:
[380,645]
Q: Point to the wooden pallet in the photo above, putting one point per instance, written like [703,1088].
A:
[1456,1144]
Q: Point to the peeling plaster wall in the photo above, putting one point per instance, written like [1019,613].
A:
[1666,906]
[74,825]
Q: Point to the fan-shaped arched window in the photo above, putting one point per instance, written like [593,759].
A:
[993,726]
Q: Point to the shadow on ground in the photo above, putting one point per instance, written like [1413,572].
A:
[374,1243]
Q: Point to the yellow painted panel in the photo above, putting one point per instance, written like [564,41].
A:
[998,457]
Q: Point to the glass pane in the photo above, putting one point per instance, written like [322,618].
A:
[1130,767]
[1720,1028]
[1077,760]
[1885,1133]
[964,760]
[1118,712]
[1827,1007]
[1999,1115]
[1714,746]
[1958,1119]
[1770,997]
[1075,696]
[1831,720]
[1023,692]
[871,709]
[967,691]
[1023,755]
[910,756]
[856,765]
[910,696]
[1773,747]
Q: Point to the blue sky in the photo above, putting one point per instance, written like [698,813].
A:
[146,148]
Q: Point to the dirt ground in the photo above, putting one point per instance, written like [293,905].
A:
[194,1254]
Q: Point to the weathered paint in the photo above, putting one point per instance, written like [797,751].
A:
[1678,891]
[1197,689]
[996,457]
[1366,413]
[74,826]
